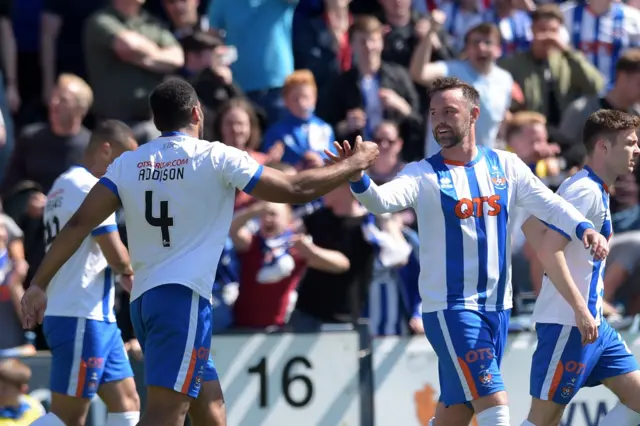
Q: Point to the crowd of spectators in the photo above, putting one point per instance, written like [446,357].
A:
[283,79]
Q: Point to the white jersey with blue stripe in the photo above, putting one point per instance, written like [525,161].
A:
[464,223]
[586,191]
[603,38]
[84,286]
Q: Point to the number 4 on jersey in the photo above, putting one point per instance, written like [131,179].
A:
[164,221]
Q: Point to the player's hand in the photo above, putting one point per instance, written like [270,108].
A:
[133,347]
[126,281]
[587,326]
[34,302]
[365,153]
[416,325]
[597,243]
[35,205]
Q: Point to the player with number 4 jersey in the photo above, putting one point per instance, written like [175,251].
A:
[178,194]
[576,345]
[88,354]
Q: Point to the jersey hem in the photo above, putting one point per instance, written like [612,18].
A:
[191,286]
[559,322]
[100,318]
[462,307]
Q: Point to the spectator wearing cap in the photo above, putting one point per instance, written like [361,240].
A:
[302,136]
[16,407]
[128,53]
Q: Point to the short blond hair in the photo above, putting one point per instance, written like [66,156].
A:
[15,372]
[81,88]
[521,119]
[299,78]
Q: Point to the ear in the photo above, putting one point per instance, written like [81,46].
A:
[196,115]
[475,113]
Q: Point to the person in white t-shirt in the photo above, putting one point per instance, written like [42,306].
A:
[576,345]
[88,355]
[178,192]
[479,69]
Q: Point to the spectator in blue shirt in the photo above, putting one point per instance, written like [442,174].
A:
[300,135]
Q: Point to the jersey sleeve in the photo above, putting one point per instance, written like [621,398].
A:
[533,196]
[398,194]
[583,199]
[111,178]
[108,225]
[239,169]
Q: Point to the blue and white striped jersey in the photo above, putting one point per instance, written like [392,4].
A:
[586,191]
[465,226]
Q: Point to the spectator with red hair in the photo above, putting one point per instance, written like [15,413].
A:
[300,136]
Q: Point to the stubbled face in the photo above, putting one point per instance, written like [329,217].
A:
[451,117]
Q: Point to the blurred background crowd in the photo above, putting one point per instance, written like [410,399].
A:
[283,79]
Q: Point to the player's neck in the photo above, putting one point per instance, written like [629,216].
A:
[601,171]
[463,153]
[92,167]
[190,130]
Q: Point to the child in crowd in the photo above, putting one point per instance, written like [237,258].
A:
[302,136]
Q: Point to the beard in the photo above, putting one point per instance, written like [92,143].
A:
[452,137]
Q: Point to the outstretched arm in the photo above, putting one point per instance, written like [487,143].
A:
[394,196]
[275,186]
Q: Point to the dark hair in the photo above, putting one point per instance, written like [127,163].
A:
[451,83]
[112,131]
[606,123]
[486,29]
[255,138]
[171,103]
[629,61]
[199,41]
[547,11]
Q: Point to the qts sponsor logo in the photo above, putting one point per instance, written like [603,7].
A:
[476,207]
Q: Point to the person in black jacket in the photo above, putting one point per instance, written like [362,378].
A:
[355,102]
